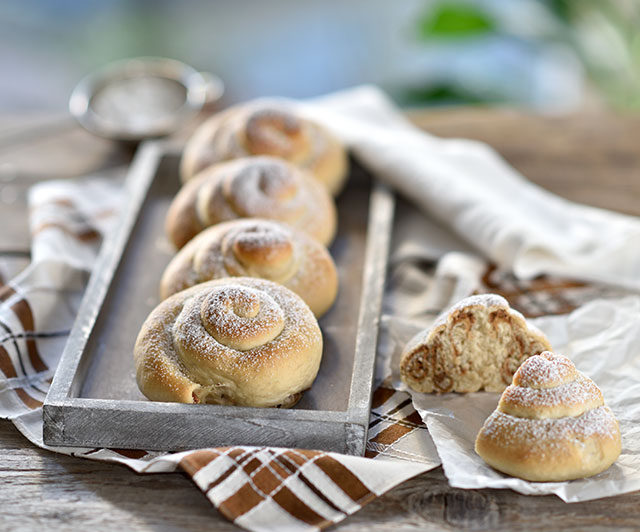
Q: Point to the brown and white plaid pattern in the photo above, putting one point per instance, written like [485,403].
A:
[287,486]
[543,295]
[396,430]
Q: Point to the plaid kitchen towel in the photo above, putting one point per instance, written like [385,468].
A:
[257,488]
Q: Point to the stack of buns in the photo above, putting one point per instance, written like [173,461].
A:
[238,324]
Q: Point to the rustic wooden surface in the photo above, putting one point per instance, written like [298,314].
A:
[592,158]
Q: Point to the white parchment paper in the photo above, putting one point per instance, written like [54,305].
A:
[603,340]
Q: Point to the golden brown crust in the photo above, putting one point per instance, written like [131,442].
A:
[478,344]
[551,450]
[256,248]
[254,187]
[559,430]
[267,127]
[239,341]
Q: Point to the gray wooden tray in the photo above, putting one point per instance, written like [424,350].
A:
[94,400]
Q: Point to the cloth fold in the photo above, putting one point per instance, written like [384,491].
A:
[467,186]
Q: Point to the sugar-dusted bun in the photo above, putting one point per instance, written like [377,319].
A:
[267,127]
[477,344]
[551,424]
[236,341]
[253,247]
[253,187]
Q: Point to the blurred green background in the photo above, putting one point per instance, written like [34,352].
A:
[551,55]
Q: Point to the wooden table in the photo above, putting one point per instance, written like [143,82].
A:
[592,158]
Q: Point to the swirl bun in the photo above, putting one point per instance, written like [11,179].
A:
[551,424]
[267,127]
[256,248]
[239,341]
[254,187]
[477,344]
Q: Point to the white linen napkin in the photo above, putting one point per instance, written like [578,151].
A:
[468,187]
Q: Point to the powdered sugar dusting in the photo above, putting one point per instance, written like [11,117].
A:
[545,370]
[580,391]
[512,430]
[265,187]
[241,317]
[176,345]
[189,324]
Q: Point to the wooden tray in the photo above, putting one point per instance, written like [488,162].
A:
[94,400]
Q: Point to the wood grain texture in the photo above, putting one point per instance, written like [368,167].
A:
[40,490]
[589,158]
[44,491]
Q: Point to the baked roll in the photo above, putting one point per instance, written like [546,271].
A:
[254,187]
[256,248]
[236,341]
[477,344]
[551,424]
[267,127]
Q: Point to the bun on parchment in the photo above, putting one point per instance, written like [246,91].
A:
[267,127]
[253,247]
[551,424]
[476,345]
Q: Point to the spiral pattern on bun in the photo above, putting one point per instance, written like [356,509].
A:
[238,341]
[256,248]
[267,127]
[551,424]
[254,187]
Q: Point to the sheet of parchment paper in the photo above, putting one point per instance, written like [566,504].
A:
[603,340]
